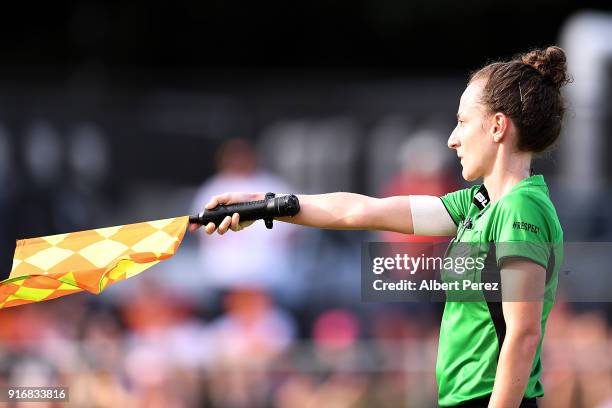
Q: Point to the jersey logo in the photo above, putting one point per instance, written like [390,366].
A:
[520,225]
[481,198]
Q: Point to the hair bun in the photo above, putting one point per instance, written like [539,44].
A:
[550,62]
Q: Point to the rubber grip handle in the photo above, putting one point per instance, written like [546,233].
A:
[283,206]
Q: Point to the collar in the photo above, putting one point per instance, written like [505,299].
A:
[534,180]
[481,198]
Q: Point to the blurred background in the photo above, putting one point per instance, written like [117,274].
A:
[114,113]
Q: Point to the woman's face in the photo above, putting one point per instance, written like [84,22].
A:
[472,138]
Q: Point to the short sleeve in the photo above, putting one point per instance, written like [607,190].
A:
[458,203]
[521,230]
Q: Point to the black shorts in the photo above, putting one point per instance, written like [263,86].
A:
[484,403]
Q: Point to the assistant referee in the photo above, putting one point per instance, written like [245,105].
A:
[489,352]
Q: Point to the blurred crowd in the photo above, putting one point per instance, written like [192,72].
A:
[270,318]
[158,349]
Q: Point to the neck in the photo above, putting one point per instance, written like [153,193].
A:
[507,171]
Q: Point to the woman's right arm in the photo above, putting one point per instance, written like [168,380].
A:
[350,211]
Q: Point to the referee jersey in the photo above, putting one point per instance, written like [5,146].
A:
[523,224]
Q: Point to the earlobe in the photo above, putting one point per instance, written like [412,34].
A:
[498,135]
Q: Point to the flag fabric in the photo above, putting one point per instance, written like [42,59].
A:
[49,267]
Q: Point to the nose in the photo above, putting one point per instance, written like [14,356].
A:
[453,141]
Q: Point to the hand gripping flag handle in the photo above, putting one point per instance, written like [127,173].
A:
[267,209]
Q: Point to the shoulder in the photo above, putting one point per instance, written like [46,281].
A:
[529,211]
[527,202]
[458,202]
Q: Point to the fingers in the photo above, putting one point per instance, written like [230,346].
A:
[235,226]
[212,203]
[221,229]
[210,228]
[217,200]
[224,226]
[228,223]
[232,222]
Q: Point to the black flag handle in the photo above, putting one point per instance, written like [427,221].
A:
[282,206]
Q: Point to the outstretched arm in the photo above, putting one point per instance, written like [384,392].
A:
[350,211]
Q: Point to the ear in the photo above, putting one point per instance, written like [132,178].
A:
[500,123]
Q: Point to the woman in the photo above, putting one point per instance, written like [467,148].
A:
[489,353]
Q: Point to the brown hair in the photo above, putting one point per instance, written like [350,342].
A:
[527,89]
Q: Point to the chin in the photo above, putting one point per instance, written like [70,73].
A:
[468,176]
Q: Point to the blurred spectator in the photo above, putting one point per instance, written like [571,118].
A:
[577,355]
[308,151]
[335,330]
[82,199]
[247,339]
[163,347]
[256,257]
[422,160]
[43,158]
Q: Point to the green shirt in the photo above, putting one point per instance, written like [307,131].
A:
[523,223]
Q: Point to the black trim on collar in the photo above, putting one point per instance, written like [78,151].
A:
[481,198]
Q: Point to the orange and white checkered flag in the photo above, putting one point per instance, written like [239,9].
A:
[49,267]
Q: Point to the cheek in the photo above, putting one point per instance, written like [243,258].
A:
[474,149]
[469,140]
[475,140]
